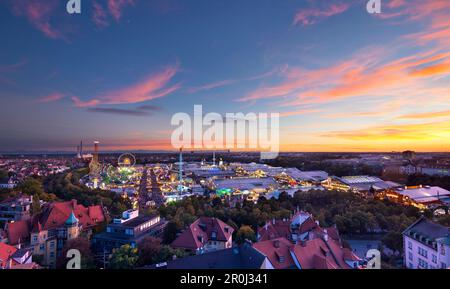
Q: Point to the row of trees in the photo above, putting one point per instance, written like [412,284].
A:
[149,251]
[351,213]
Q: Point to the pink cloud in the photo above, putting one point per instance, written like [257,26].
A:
[364,74]
[38,13]
[100,16]
[154,86]
[212,85]
[8,69]
[312,16]
[50,98]
[115,7]
[79,103]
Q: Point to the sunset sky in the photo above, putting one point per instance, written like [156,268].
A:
[342,79]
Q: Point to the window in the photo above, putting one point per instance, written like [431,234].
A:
[41,247]
[410,265]
[443,265]
[409,245]
[422,252]
[434,258]
[442,249]
[410,256]
[423,264]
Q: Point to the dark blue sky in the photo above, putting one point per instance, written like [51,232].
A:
[118,71]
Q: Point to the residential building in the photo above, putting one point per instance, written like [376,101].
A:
[14,258]
[130,229]
[300,243]
[15,209]
[47,232]
[300,227]
[205,235]
[237,258]
[426,245]
[318,253]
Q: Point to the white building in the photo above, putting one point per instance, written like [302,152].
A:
[426,245]
[425,195]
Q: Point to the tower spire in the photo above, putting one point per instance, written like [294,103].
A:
[181,170]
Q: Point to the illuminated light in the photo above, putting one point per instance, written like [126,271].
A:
[223,192]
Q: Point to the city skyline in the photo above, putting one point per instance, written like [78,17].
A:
[343,80]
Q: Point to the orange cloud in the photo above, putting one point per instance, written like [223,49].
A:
[405,132]
[152,87]
[433,114]
[51,98]
[314,15]
[432,70]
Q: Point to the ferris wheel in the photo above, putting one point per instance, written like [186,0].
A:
[126,160]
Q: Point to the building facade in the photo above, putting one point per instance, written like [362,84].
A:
[130,229]
[426,245]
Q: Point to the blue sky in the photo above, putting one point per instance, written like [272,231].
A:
[118,71]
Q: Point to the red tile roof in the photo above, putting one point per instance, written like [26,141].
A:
[318,254]
[18,231]
[313,254]
[275,229]
[283,228]
[201,230]
[56,214]
[6,251]
[277,251]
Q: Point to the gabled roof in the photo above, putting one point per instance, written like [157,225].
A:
[300,223]
[318,254]
[274,229]
[242,257]
[6,252]
[277,251]
[56,214]
[427,229]
[201,231]
[18,231]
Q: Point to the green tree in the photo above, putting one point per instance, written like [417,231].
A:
[167,253]
[125,257]
[81,244]
[394,241]
[245,233]
[170,232]
[148,250]
[4,176]
[35,205]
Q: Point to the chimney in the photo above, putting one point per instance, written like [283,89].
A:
[303,243]
[74,203]
[276,243]
[325,235]
[9,265]
[273,221]
[266,226]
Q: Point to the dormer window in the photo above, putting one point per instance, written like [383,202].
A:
[280,257]
[213,235]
